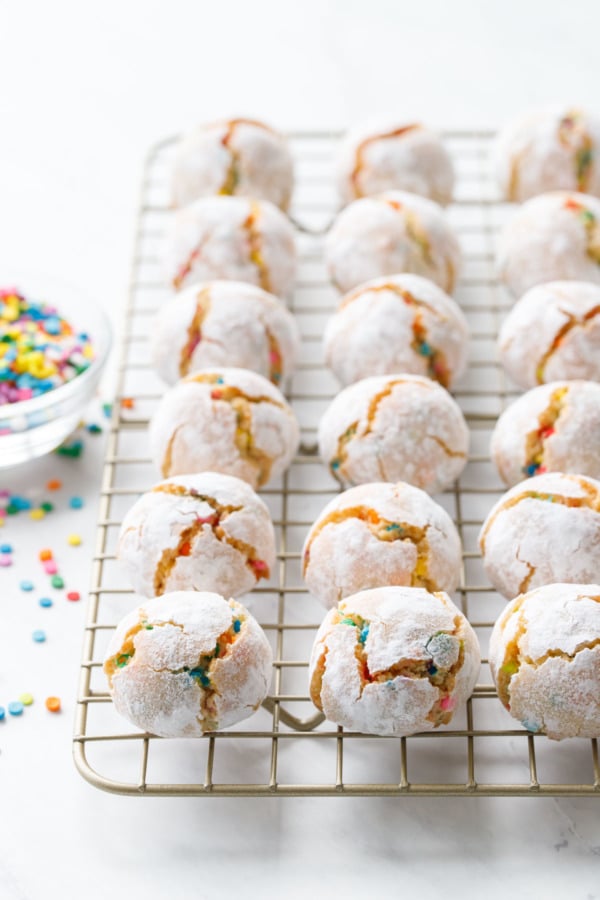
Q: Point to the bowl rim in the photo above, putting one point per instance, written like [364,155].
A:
[102,345]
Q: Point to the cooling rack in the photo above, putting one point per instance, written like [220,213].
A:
[286,748]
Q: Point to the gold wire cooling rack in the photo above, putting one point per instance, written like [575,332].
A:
[286,748]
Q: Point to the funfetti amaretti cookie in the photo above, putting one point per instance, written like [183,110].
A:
[554,237]
[205,532]
[399,323]
[391,155]
[545,660]
[393,660]
[394,428]
[553,428]
[543,530]
[242,157]
[391,233]
[549,149]
[231,238]
[553,333]
[224,323]
[224,420]
[187,663]
[380,534]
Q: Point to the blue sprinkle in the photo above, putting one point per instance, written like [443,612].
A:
[26,585]
[220,381]
[393,527]
[432,670]
[6,548]
[363,635]
[530,470]
[201,676]
[15,707]
[2,713]
[45,602]
[52,326]
[237,625]
[76,502]
[531,726]
[39,636]
[425,349]
[21,503]
[335,464]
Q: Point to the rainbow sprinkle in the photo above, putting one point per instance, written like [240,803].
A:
[39,350]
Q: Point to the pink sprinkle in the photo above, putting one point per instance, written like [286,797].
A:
[447,703]
[210,520]
[50,567]
[259,565]
[5,561]
[25,393]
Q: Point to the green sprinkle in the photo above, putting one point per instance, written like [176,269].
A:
[510,667]
[217,648]
[122,659]
[348,622]
[57,581]
[47,507]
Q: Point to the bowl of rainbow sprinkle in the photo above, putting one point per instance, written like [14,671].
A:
[53,346]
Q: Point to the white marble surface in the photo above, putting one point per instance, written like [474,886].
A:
[84,89]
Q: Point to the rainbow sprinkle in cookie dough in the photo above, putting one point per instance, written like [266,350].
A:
[39,350]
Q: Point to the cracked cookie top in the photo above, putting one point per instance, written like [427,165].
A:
[553,333]
[393,232]
[401,323]
[548,149]
[552,428]
[206,532]
[380,534]
[224,323]
[388,155]
[393,660]
[186,663]
[543,530]
[231,238]
[394,428]
[242,157]
[553,237]
[545,660]
[224,420]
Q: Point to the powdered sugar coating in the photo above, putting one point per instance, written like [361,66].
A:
[387,155]
[394,232]
[553,237]
[224,323]
[548,149]
[545,660]
[570,443]
[394,428]
[154,659]
[234,156]
[231,238]
[224,420]
[394,534]
[553,333]
[410,631]
[543,530]
[205,532]
[399,323]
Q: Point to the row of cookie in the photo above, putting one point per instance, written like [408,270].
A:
[546,149]
[390,661]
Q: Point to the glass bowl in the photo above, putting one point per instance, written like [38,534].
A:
[31,428]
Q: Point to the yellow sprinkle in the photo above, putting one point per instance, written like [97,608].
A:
[74,540]
[37,514]
[26,699]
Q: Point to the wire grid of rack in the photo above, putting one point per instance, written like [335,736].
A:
[286,748]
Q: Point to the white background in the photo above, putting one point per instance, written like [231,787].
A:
[84,89]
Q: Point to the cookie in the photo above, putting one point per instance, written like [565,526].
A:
[543,530]
[233,239]
[234,156]
[393,660]
[380,534]
[390,155]
[224,420]
[224,323]
[394,428]
[554,237]
[552,428]
[550,149]
[545,660]
[187,663]
[205,532]
[553,333]
[392,233]
[399,323]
